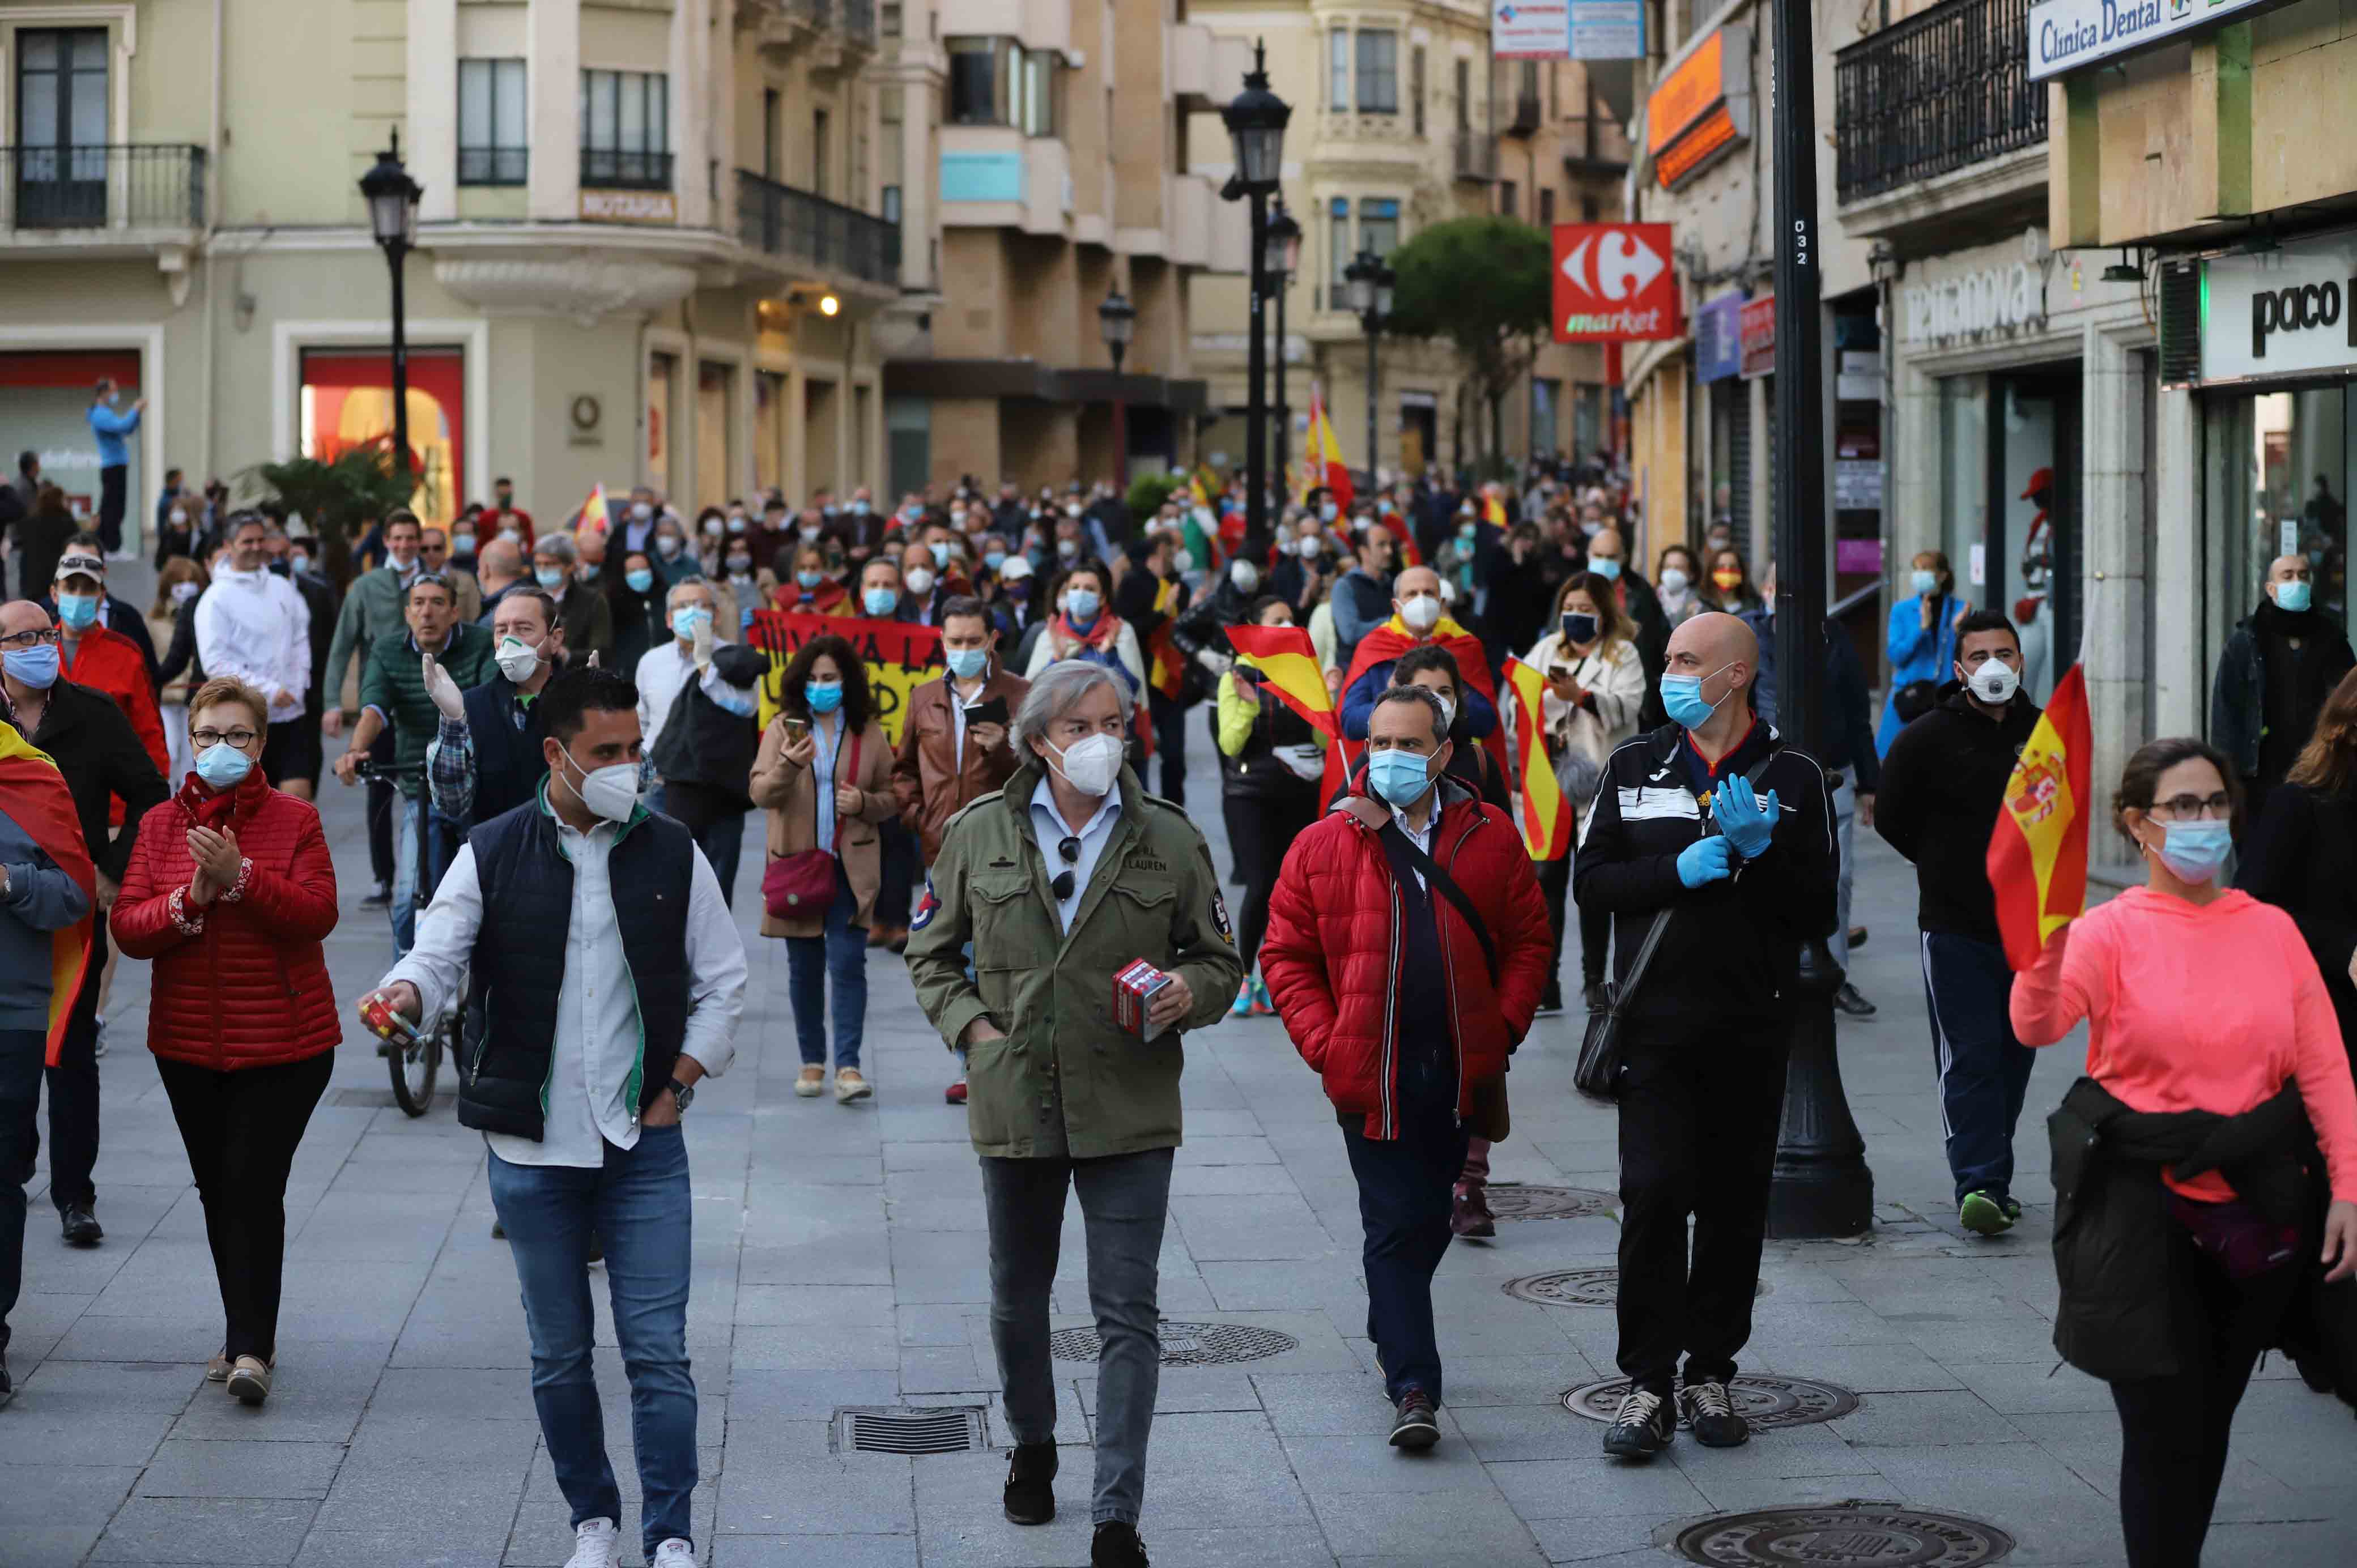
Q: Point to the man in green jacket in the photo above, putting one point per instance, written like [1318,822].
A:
[1065,877]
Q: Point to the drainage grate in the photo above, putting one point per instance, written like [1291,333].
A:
[1185,1344]
[1512,1200]
[884,1429]
[1842,1535]
[1576,1287]
[379,1098]
[1763,1401]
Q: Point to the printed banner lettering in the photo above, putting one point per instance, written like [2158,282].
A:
[899,658]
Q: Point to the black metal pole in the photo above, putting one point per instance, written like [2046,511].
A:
[1284,412]
[1821,1185]
[1368,321]
[398,255]
[1256,393]
[1120,423]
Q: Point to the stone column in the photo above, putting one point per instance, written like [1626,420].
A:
[553,81]
[430,139]
[2113,530]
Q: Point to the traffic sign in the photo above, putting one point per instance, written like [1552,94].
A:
[1614,282]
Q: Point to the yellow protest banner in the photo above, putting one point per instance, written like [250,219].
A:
[899,658]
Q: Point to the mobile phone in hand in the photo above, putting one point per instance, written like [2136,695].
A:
[993,712]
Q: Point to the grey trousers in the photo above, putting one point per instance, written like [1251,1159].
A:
[1124,1198]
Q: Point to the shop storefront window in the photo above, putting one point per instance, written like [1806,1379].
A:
[2280,486]
[2009,518]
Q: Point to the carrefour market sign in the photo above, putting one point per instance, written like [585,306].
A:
[2065,35]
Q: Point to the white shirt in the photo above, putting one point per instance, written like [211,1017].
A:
[255,626]
[1420,837]
[661,676]
[597,1039]
[1048,825]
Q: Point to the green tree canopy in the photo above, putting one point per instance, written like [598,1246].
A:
[358,487]
[1484,285]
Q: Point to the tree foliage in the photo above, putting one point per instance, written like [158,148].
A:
[356,488]
[1485,286]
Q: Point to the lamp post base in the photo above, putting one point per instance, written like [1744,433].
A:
[1821,1189]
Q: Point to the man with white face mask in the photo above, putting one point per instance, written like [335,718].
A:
[486,758]
[579,1084]
[1419,619]
[1942,786]
[1083,874]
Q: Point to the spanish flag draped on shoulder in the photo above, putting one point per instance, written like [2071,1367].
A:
[1546,815]
[2038,855]
[33,796]
[1283,655]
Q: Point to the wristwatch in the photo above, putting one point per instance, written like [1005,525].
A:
[681,1095]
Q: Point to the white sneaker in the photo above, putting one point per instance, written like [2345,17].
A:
[674,1553]
[596,1543]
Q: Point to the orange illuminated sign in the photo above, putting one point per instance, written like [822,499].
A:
[1716,130]
[1702,107]
[1687,94]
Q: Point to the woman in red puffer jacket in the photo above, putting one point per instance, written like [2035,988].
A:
[230,891]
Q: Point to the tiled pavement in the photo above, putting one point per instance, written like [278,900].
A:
[840,1261]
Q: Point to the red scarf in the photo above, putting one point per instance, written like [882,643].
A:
[234,808]
[1100,638]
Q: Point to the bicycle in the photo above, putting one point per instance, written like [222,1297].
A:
[414,1057]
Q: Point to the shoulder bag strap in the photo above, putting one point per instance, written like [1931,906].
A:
[1399,847]
[1637,967]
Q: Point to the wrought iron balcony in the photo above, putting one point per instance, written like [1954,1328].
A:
[62,190]
[1942,91]
[609,168]
[1595,147]
[1526,118]
[780,220]
[1477,155]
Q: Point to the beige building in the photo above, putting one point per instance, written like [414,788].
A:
[1401,120]
[658,241]
[1061,172]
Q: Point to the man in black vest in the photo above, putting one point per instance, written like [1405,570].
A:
[486,758]
[593,1047]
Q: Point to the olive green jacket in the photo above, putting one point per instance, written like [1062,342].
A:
[1154,895]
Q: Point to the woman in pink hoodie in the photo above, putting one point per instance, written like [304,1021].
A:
[2198,998]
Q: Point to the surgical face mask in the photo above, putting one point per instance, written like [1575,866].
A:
[183,591]
[736,525]
[860,509]
[823,696]
[296,560]
[1399,776]
[611,792]
[639,579]
[36,666]
[879,602]
[1421,613]
[2292,598]
[666,545]
[549,577]
[2195,851]
[1081,607]
[920,581]
[1681,698]
[1073,509]
[1465,532]
[513,535]
[808,535]
[1923,584]
[993,559]
[1090,766]
[940,548]
[1183,562]
[1578,627]
[1068,548]
[1606,567]
[1994,682]
[1308,548]
[740,564]
[1018,589]
[1243,573]
[641,511]
[223,766]
[77,612]
[1447,712]
[806,577]
[516,659]
[686,618]
[462,544]
[968,664]
[1674,580]
[179,517]
[1328,510]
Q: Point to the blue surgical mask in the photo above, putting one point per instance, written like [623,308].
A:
[879,602]
[2292,598]
[823,698]
[810,579]
[993,559]
[36,666]
[549,577]
[223,766]
[639,580]
[2194,851]
[1578,627]
[1081,607]
[1924,583]
[967,664]
[1681,698]
[687,618]
[1604,566]
[1399,776]
[79,611]
[941,548]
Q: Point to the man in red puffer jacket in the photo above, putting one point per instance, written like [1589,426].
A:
[1407,1006]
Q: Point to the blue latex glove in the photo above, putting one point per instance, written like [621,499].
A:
[1706,860]
[1748,821]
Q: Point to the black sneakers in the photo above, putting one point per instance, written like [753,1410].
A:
[1711,1416]
[1116,1545]
[1643,1426]
[1030,1475]
[1416,1430]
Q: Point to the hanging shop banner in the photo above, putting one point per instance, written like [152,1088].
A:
[1614,284]
[900,658]
[2286,312]
[1759,333]
[1702,110]
[1530,29]
[1608,30]
[2069,35]
[1718,338]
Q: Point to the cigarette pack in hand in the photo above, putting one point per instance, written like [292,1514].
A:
[1135,987]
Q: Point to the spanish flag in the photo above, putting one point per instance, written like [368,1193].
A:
[1493,511]
[1321,455]
[1283,655]
[2038,855]
[1546,815]
[33,796]
[1403,536]
[1168,672]
[593,510]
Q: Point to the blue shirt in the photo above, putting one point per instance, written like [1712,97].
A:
[112,428]
[1048,825]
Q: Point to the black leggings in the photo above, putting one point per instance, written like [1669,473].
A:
[1595,925]
[1261,828]
[2174,1429]
[240,1130]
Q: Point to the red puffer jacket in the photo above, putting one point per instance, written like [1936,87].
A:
[1332,955]
[248,985]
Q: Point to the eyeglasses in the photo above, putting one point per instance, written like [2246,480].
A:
[2190,808]
[28,639]
[1065,879]
[239,737]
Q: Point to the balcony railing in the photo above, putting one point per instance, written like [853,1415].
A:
[855,19]
[609,168]
[1526,116]
[497,165]
[120,187]
[1595,145]
[1477,155]
[1942,91]
[780,220]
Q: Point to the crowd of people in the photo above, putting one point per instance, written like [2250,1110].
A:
[563,729]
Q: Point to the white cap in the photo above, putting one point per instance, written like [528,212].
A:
[1015,566]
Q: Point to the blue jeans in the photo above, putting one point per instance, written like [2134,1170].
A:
[638,1205]
[1405,1188]
[1983,1071]
[442,837]
[840,956]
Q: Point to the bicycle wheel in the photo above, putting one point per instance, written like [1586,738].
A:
[414,1066]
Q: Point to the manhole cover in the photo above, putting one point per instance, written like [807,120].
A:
[1844,1534]
[882,1429]
[1512,1200]
[1762,1400]
[1576,1287]
[1185,1344]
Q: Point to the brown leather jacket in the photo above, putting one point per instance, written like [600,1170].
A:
[925,778]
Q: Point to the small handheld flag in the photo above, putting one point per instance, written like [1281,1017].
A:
[2038,854]
[1321,455]
[593,510]
[1283,655]
[1546,815]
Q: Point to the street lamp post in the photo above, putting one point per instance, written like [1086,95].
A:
[392,195]
[1821,1185]
[1279,257]
[1370,283]
[1255,119]
[1117,324]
